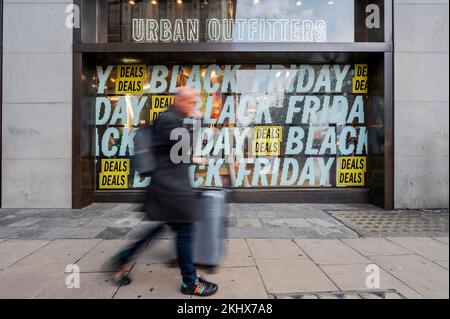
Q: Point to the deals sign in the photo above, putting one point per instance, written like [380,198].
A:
[160,104]
[360,80]
[351,171]
[130,79]
[114,173]
[267,140]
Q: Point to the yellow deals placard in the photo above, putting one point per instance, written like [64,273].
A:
[114,173]
[352,163]
[160,104]
[361,79]
[130,79]
[267,140]
[351,171]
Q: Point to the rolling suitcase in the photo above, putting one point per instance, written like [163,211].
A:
[210,231]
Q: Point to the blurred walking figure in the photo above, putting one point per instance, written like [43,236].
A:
[170,200]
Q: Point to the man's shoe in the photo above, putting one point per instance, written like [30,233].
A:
[202,288]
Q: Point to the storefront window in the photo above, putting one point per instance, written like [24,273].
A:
[303,125]
[190,21]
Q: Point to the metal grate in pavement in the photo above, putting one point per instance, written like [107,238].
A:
[357,294]
[396,223]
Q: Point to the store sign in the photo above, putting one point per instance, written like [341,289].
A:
[226,30]
[261,126]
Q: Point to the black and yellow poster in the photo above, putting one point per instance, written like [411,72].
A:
[114,173]
[361,79]
[267,140]
[160,104]
[130,79]
[351,171]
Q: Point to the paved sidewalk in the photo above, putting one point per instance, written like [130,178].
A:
[273,251]
[258,221]
[409,267]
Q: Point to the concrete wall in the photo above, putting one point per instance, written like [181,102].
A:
[421,31]
[37,105]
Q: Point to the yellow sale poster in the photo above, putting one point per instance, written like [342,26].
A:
[130,79]
[361,79]
[267,140]
[160,104]
[114,173]
[351,171]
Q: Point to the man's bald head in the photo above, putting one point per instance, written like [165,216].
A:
[186,92]
[185,101]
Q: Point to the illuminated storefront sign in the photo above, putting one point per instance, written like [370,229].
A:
[226,30]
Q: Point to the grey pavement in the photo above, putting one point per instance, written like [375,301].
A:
[362,268]
[288,251]
[291,221]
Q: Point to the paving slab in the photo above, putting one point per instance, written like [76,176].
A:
[29,233]
[71,233]
[376,247]
[286,222]
[152,282]
[133,207]
[326,251]
[245,214]
[353,277]
[237,283]
[26,222]
[101,221]
[10,219]
[283,249]
[298,275]
[6,232]
[158,251]
[248,222]
[52,223]
[259,232]
[130,221]
[323,222]
[113,233]
[426,247]
[422,275]
[237,254]
[267,214]
[60,252]
[14,250]
[24,282]
[92,286]
[443,263]
[95,259]
[323,232]
[442,239]
[302,212]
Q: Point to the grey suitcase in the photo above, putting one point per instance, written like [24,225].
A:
[210,231]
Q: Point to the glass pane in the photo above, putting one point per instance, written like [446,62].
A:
[302,125]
